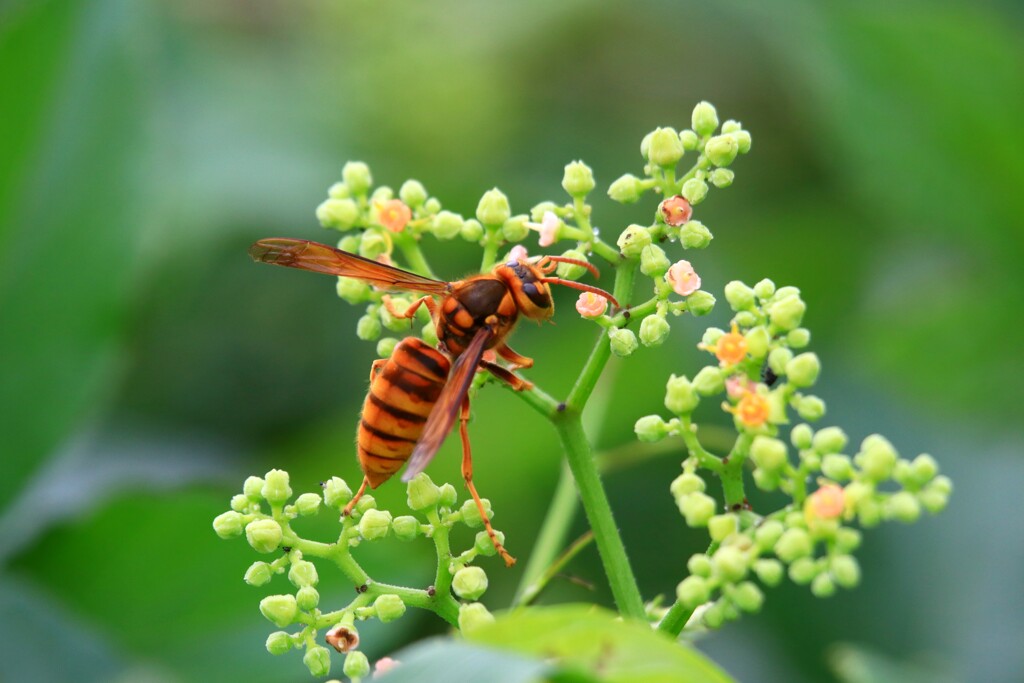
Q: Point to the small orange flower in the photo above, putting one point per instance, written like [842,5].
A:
[730,348]
[676,210]
[591,305]
[394,215]
[828,502]
[753,409]
[683,278]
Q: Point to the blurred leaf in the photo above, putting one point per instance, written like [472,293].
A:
[855,664]
[451,661]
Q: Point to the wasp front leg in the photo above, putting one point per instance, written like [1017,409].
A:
[411,310]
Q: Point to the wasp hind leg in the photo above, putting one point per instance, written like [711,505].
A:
[517,360]
[507,376]
[467,474]
[411,311]
[355,499]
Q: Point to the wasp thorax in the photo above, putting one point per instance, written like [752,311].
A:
[526,284]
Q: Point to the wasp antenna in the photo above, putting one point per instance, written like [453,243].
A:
[582,287]
[576,262]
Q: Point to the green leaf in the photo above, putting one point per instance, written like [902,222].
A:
[444,659]
[856,664]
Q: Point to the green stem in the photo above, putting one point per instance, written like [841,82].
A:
[492,242]
[534,589]
[410,247]
[678,614]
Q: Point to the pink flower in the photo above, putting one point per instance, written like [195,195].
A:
[683,278]
[676,210]
[737,385]
[394,215]
[826,503]
[384,664]
[591,305]
[548,228]
[518,253]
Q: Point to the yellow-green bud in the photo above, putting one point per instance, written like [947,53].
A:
[493,209]
[650,428]
[483,543]
[340,214]
[367,502]
[449,496]
[694,235]
[764,289]
[623,342]
[307,598]
[239,503]
[697,508]
[829,440]
[431,206]
[803,370]
[793,544]
[303,573]
[279,643]
[680,395]
[392,322]
[694,190]
[352,290]
[469,583]
[472,231]
[375,524]
[699,564]
[318,660]
[709,381]
[799,338]
[739,296]
[336,492]
[368,328]
[731,125]
[626,190]
[654,330]
[406,527]
[446,225]
[356,665]
[731,563]
[743,140]
[412,193]
[933,500]
[389,607]
[693,591]
[777,360]
[700,303]
[264,535]
[685,484]
[653,261]
[768,534]
[228,524]
[429,334]
[515,229]
[373,244]
[836,467]
[765,480]
[877,458]
[745,318]
[665,148]
[711,336]
[578,179]
[280,610]
[714,616]
[758,340]
[474,616]
[722,177]
[823,586]
[704,119]
[721,527]
[768,453]
[386,346]
[258,574]
[253,489]
[721,150]
[903,506]
[845,570]
[803,570]
[802,436]
[382,194]
[768,571]
[538,211]
[747,596]
[633,240]
[307,504]
[339,190]
[787,313]
[689,139]
[924,468]
[357,177]
[350,243]
[847,540]
[571,271]
[471,513]
[645,145]
[810,408]
[942,484]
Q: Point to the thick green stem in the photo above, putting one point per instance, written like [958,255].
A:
[410,248]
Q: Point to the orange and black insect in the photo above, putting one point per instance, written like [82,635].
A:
[417,394]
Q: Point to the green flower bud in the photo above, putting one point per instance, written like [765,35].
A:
[799,338]
[446,225]
[768,534]
[307,504]
[847,540]
[903,506]
[933,500]
[356,665]
[375,524]
[700,565]
[318,660]
[693,591]
[483,544]
[942,484]
[803,370]
[653,261]
[280,610]
[654,330]
[469,583]
[837,467]
[623,342]
[802,436]
[768,453]
[787,313]
[803,570]
[810,408]
[386,346]
[665,148]
[423,493]
[373,244]
[474,616]
[412,193]
[228,524]
[366,503]
[570,271]
[538,211]
[406,527]
[748,597]
[429,334]
[431,206]
[693,235]
[711,336]
[357,177]
[307,598]
[253,489]
[689,139]
[722,177]
[765,480]
[471,513]
[697,508]
[700,303]
[680,396]
[339,190]
[392,322]
[389,607]
[303,573]
[714,616]
[869,512]
[829,439]
[336,492]
[743,140]
[877,458]
[777,360]
[578,179]
[340,214]
[845,570]
[239,503]
[768,571]
[823,586]
[382,194]
[793,544]
[685,484]
[493,209]
[626,190]
[651,428]
[745,319]
[350,243]
[264,535]
[731,562]
[739,296]
[704,119]
[448,496]
[633,240]
[352,290]
[514,229]
[368,328]
[694,190]
[279,643]
[472,231]
[258,574]
[758,340]
[721,150]
[764,289]
[811,459]
[924,469]
[721,527]
[709,381]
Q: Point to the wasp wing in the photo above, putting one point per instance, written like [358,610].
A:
[446,410]
[320,258]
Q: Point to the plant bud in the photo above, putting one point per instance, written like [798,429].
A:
[275,487]
[340,214]
[689,139]
[933,500]
[877,458]
[339,190]
[412,193]
[721,150]
[829,439]
[837,467]
[697,508]
[318,660]
[375,524]
[748,597]
[709,381]
[406,527]
[357,177]
[253,489]
[731,563]
[448,496]
[356,666]
[303,573]
[845,570]
[352,290]
[493,209]
[700,565]
[471,513]
[665,148]
[823,586]
[793,544]
[474,616]
[239,503]
[228,524]
[803,370]
[714,616]
[469,583]
[758,340]
[264,535]
[653,261]
[743,140]
[768,571]
[777,360]
[368,328]
[694,235]
[802,436]
[700,303]
[765,480]
[515,229]
[308,504]
[279,610]
[786,313]
[810,408]
[633,240]
[654,330]
[446,225]
[680,396]
[386,346]
[389,607]
[693,591]
[768,453]
[924,469]
[650,428]
[721,527]
[483,543]
[307,598]
[685,484]
[279,643]
[258,574]
[739,296]
[903,506]
[472,231]
[570,271]
[623,342]
[336,492]
[626,190]
[578,179]
[704,119]
[695,190]
[799,338]
[764,289]
[393,322]
[711,336]
[768,534]
[847,540]
[803,570]
[722,178]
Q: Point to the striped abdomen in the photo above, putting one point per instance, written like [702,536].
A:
[466,310]
[403,390]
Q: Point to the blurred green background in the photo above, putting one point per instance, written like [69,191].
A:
[147,366]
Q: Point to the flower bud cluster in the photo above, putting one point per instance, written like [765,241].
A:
[264,513]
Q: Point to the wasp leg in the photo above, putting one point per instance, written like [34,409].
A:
[355,499]
[467,474]
[411,311]
[507,376]
[517,360]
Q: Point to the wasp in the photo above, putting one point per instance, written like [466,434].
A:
[417,394]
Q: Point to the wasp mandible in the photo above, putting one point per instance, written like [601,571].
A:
[417,393]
